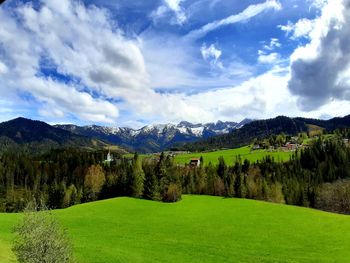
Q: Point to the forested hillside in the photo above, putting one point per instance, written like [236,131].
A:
[36,136]
[65,177]
[261,129]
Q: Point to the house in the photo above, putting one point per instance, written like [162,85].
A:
[346,141]
[256,147]
[291,146]
[195,162]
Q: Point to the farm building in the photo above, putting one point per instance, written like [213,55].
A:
[256,147]
[291,146]
[195,162]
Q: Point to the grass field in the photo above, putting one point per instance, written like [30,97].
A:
[230,155]
[197,229]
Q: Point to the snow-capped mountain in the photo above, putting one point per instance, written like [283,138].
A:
[154,138]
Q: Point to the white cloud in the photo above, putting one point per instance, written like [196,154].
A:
[59,99]
[249,12]
[274,43]
[258,97]
[320,70]
[3,68]
[173,6]
[106,72]
[174,64]
[268,59]
[211,53]
[301,28]
[105,67]
[266,56]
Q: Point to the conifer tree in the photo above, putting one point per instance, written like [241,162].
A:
[137,177]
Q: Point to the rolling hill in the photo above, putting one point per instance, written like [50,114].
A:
[197,229]
[263,128]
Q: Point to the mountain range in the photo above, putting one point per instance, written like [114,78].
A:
[39,136]
[154,138]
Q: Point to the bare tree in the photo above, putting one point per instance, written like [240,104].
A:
[40,238]
[94,180]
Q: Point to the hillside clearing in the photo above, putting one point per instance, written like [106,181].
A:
[231,155]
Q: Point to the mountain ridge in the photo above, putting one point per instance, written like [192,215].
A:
[154,137]
[38,136]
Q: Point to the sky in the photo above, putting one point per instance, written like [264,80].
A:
[133,63]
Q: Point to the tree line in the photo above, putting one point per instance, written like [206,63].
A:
[314,177]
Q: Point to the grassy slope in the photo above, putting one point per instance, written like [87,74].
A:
[198,229]
[230,155]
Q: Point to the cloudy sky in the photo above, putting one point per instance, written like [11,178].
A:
[131,63]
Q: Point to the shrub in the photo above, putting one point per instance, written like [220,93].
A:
[41,239]
[173,193]
[335,197]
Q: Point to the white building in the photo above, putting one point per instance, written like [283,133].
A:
[109,157]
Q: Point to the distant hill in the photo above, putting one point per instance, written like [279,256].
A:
[155,138]
[263,128]
[39,136]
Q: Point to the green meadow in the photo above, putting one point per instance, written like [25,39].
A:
[231,155]
[197,229]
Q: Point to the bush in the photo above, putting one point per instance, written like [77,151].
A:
[41,239]
[334,197]
[173,194]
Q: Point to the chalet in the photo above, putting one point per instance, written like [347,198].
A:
[256,147]
[195,162]
[346,141]
[291,146]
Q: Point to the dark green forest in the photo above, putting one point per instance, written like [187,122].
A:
[317,176]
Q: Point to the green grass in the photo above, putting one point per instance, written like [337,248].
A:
[230,155]
[197,229]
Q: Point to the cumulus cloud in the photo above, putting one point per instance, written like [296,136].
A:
[258,97]
[301,28]
[249,12]
[69,59]
[320,70]
[266,56]
[100,62]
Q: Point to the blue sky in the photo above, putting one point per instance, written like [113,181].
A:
[131,63]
